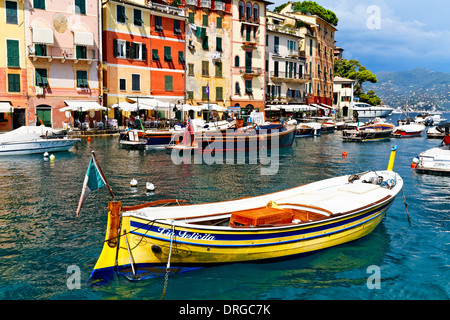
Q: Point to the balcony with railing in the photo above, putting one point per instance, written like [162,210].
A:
[167,9]
[283,29]
[79,53]
[205,4]
[250,71]
[290,76]
[192,2]
[219,6]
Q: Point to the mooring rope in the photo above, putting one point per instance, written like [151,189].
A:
[166,277]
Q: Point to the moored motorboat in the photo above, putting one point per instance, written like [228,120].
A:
[369,132]
[146,240]
[438,132]
[367,111]
[34,139]
[435,160]
[408,130]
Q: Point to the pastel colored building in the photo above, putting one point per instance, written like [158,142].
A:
[144,54]
[321,60]
[343,96]
[248,55]
[285,62]
[62,49]
[208,55]
[13,74]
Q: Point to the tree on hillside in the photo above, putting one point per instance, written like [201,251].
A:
[352,69]
[313,8]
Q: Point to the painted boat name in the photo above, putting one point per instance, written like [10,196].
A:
[186,235]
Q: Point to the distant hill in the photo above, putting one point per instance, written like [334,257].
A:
[421,89]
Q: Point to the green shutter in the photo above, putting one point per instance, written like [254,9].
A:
[39,4]
[219,23]
[155,54]
[168,83]
[13,53]
[14,82]
[219,44]
[205,45]
[167,54]
[41,77]
[11,12]
[180,57]
[219,93]
[219,69]
[82,79]
[128,49]
[205,20]
[191,17]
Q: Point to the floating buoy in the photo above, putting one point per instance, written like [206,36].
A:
[89,139]
[344,154]
[133,183]
[150,186]
[52,157]
[46,154]
[415,162]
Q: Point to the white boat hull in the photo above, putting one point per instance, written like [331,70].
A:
[37,146]
[435,161]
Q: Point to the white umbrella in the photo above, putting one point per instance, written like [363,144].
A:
[82,106]
[188,107]
[212,106]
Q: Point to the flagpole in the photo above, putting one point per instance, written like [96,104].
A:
[103,175]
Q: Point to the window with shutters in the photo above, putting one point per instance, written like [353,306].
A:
[248,87]
[218,69]
[137,51]
[219,44]
[122,84]
[41,77]
[168,83]
[82,81]
[176,27]
[136,82]
[80,6]
[181,57]
[120,14]
[191,17]
[205,68]
[158,24]
[12,48]
[137,18]
[219,23]
[205,94]
[11,12]
[120,48]
[81,52]
[205,20]
[205,44]
[191,69]
[219,94]
[40,49]
[190,94]
[155,56]
[167,54]
[14,82]
[39,4]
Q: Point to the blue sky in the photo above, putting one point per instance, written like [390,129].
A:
[392,35]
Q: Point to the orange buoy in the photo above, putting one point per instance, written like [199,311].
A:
[89,139]
[344,154]
[413,165]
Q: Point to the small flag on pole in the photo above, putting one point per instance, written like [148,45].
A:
[93,180]
[207,89]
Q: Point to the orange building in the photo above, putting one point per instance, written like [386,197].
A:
[143,53]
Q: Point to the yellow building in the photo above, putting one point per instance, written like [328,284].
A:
[13,74]
[208,39]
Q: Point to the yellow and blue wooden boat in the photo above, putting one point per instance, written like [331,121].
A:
[142,241]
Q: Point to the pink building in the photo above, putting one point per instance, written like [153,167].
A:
[62,39]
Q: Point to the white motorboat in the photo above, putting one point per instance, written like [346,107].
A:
[366,110]
[438,132]
[430,119]
[435,160]
[34,139]
[408,130]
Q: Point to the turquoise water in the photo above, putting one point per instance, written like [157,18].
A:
[40,238]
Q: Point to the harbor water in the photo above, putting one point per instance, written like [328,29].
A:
[43,245]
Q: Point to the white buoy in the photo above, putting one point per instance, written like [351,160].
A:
[150,186]
[45,154]
[133,183]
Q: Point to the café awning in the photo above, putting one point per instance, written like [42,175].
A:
[82,105]
[83,39]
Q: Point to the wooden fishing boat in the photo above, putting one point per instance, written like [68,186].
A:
[369,132]
[149,240]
